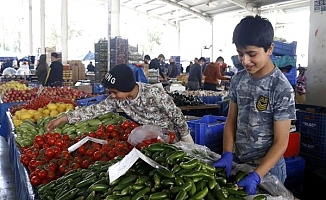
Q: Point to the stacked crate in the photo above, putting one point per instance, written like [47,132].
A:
[119,51]
[286,49]
[101,60]
[67,76]
[77,70]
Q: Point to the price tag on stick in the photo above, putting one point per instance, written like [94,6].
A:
[83,141]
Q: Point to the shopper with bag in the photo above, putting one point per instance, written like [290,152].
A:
[146,104]
[261,107]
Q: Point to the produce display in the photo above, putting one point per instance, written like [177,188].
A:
[185,100]
[182,177]
[19,95]
[17,85]
[48,157]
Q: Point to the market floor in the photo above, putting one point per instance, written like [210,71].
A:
[7,177]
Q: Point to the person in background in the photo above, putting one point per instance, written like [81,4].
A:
[172,70]
[222,65]
[55,71]
[212,74]
[188,67]
[195,75]
[42,69]
[196,60]
[301,87]
[261,107]
[90,67]
[146,104]
[157,63]
[181,69]
[147,60]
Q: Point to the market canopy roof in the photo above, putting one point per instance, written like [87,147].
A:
[172,11]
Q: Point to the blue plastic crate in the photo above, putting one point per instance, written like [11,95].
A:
[208,131]
[98,88]
[283,48]
[92,100]
[311,119]
[313,149]
[295,166]
[292,76]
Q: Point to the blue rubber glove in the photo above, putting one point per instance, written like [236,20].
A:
[225,162]
[250,183]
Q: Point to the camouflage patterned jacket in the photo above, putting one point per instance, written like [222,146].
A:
[152,106]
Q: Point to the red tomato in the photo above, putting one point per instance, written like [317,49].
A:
[119,145]
[75,165]
[85,164]
[134,125]
[51,176]
[114,134]
[97,155]
[57,135]
[35,181]
[65,155]
[78,159]
[92,134]
[112,154]
[56,149]
[49,152]
[110,128]
[42,174]
[125,125]
[171,137]
[32,164]
[58,143]
[89,152]
[24,159]
[105,159]
[62,168]
[66,137]
[51,141]
[81,150]
[39,140]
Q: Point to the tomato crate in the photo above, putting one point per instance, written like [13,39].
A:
[208,131]
[283,48]
[91,100]
[311,120]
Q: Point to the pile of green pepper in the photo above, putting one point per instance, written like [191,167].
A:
[182,177]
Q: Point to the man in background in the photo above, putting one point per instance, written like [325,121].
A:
[173,71]
[195,75]
[90,67]
[156,63]
[55,71]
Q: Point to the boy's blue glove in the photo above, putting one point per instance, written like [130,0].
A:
[225,162]
[250,183]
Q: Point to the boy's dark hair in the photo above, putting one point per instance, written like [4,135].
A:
[220,58]
[202,59]
[255,31]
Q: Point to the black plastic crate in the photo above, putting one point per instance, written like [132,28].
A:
[311,119]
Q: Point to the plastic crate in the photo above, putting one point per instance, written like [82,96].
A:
[292,76]
[98,88]
[313,149]
[293,148]
[208,131]
[211,99]
[283,48]
[295,168]
[92,100]
[311,120]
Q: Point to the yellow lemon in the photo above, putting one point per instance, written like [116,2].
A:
[26,116]
[17,122]
[61,109]
[15,117]
[69,107]
[52,106]
[40,109]
[54,113]
[46,111]
[37,115]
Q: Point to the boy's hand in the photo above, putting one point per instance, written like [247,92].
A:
[225,162]
[250,183]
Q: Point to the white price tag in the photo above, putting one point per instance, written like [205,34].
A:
[97,140]
[121,167]
[78,144]
[39,91]
[148,160]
